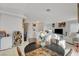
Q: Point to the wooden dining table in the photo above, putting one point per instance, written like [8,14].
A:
[42,52]
[50,50]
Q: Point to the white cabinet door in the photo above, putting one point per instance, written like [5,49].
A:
[74,27]
[6,43]
[0,43]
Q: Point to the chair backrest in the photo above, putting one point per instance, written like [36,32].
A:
[31,40]
[19,51]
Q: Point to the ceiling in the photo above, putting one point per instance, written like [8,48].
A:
[47,12]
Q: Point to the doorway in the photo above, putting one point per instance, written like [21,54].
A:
[25,31]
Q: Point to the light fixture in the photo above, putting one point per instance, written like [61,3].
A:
[48,10]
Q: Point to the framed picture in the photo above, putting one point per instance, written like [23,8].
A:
[62,24]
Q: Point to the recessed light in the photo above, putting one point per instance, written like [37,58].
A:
[48,10]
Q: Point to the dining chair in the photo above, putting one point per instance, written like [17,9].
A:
[68,53]
[19,51]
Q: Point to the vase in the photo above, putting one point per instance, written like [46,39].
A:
[42,43]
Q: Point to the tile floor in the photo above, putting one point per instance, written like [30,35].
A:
[13,51]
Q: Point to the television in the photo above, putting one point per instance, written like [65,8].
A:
[58,31]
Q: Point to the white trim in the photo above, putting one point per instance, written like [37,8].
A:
[67,20]
[70,19]
[10,13]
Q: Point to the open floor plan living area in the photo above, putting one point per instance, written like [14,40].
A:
[39,29]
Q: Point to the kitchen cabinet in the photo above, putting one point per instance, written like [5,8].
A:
[5,43]
[74,28]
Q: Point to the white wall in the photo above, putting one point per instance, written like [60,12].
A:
[11,23]
[38,28]
[48,26]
